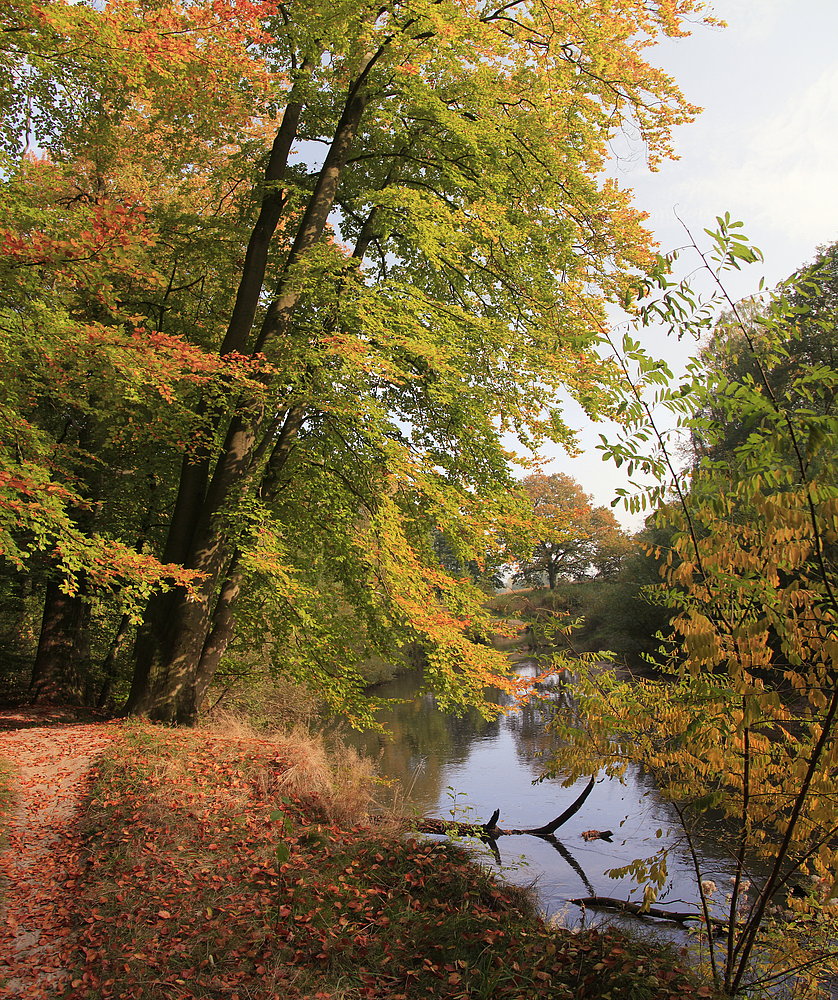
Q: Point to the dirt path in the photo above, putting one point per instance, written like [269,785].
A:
[51,761]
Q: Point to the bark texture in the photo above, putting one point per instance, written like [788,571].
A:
[57,671]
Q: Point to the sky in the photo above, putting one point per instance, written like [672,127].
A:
[765,149]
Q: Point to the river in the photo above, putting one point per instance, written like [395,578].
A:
[465,768]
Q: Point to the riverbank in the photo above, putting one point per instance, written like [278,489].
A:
[610,615]
[214,864]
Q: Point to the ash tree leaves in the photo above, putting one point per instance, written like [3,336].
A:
[744,722]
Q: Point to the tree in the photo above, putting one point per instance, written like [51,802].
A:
[745,724]
[611,545]
[341,345]
[97,370]
[573,539]
[742,349]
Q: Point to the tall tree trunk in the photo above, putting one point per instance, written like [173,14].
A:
[168,657]
[155,635]
[222,623]
[220,635]
[56,672]
[201,629]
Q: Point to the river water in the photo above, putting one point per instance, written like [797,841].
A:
[465,768]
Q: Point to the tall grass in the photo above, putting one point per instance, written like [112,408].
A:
[332,779]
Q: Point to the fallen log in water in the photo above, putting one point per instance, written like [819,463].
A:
[491,830]
[627,906]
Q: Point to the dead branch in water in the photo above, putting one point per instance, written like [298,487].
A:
[491,830]
[638,909]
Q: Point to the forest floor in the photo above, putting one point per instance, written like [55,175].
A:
[142,862]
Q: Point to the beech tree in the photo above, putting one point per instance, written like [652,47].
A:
[330,256]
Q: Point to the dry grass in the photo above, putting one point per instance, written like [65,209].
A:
[268,703]
[332,778]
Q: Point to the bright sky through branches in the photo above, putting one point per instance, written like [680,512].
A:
[764,149]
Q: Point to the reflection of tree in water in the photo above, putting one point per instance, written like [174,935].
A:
[420,741]
[530,725]
[712,833]
[535,746]
[422,744]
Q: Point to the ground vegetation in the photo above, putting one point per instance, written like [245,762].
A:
[220,862]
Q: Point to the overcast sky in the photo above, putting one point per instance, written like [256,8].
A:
[765,149]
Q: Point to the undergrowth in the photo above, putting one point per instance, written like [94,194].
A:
[612,615]
[233,866]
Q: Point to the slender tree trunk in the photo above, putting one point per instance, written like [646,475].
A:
[109,663]
[220,636]
[222,623]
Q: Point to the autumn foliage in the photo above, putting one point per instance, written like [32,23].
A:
[276,282]
[568,538]
[742,724]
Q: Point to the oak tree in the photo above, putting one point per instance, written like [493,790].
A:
[572,538]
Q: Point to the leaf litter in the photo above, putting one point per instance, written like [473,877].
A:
[49,763]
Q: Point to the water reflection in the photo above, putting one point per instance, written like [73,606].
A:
[465,768]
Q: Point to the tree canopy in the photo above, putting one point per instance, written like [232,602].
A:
[572,538]
[277,280]
[742,349]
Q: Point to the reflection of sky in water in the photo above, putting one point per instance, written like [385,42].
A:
[475,767]
[495,776]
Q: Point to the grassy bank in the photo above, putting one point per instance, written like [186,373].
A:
[7,805]
[6,794]
[231,866]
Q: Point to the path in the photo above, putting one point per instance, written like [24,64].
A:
[51,760]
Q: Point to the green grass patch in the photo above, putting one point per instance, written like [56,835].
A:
[7,804]
[215,869]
